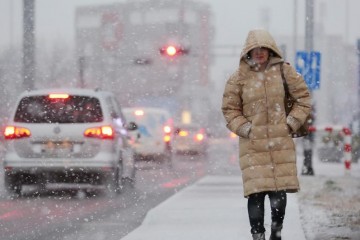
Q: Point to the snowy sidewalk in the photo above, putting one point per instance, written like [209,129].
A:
[211,209]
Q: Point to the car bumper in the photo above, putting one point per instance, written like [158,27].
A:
[190,148]
[100,161]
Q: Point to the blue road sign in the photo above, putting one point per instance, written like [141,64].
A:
[308,65]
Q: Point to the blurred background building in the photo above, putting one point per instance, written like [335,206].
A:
[107,49]
[124,48]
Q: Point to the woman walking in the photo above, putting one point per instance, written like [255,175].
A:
[253,107]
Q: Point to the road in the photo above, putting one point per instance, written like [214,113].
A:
[66,215]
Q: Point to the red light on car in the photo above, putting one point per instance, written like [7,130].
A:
[199,137]
[104,132]
[12,132]
[58,96]
[139,113]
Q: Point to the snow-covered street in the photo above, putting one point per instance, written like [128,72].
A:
[327,207]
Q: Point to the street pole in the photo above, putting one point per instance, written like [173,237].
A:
[308,141]
[358,53]
[295,29]
[309,26]
[347,22]
[28,44]
[11,24]
[181,75]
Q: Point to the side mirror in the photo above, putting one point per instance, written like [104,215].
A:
[131,126]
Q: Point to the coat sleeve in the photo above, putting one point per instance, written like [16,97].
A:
[300,92]
[232,107]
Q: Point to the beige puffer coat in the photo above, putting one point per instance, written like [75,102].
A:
[267,153]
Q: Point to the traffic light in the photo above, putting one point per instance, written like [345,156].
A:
[173,50]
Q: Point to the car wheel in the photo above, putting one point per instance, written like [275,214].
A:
[204,152]
[167,157]
[113,181]
[41,183]
[12,185]
[42,187]
[131,180]
[118,180]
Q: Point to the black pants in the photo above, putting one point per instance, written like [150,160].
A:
[256,209]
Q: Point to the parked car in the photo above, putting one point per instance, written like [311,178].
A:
[190,139]
[153,138]
[68,136]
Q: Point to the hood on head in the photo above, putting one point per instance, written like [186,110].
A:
[259,38]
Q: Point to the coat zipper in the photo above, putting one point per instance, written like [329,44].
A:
[267,129]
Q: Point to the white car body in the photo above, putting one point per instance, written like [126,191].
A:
[70,149]
[153,136]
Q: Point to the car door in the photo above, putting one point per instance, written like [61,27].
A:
[126,150]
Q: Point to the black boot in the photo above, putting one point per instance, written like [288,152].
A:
[259,236]
[275,233]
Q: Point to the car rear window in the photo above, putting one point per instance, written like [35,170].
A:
[73,109]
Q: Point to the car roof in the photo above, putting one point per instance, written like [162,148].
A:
[146,109]
[71,91]
[100,94]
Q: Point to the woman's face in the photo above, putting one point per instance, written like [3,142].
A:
[259,55]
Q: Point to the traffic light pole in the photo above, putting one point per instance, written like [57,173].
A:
[308,141]
[358,53]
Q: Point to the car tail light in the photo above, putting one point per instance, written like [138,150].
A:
[233,135]
[12,132]
[104,132]
[183,133]
[167,129]
[199,137]
[139,112]
[58,96]
[167,138]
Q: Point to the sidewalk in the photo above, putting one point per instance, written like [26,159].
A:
[211,209]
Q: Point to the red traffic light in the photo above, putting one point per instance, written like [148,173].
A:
[171,50]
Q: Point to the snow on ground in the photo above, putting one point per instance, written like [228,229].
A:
[329,202]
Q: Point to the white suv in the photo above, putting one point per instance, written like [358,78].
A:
[62,136]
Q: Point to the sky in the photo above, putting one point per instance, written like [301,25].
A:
[233,19]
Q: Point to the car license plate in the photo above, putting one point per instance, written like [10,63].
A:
[58,147]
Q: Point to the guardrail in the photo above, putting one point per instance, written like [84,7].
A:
[346,132]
